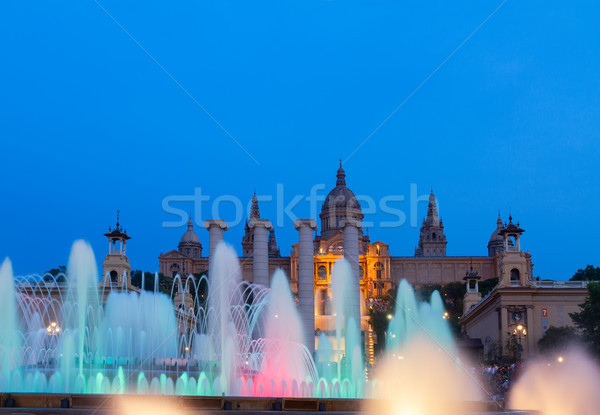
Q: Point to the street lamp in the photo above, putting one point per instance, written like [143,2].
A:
[520,332]
[53,329]
[446,316]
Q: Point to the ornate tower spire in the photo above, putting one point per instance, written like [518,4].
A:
[432,241]
[432,213]
[272,245]
[341,176]
[254,213]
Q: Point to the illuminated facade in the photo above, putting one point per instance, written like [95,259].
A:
[379,271]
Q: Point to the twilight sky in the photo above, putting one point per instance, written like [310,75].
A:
[91,123]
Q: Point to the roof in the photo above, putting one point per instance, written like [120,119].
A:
[190,236]
[472,275]
[511,228]
[118,232]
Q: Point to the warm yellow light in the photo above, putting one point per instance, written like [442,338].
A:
[519,327]
[560,359]
[389,316]
[187,349]
[53,324]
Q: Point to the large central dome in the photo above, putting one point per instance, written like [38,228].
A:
[340,203]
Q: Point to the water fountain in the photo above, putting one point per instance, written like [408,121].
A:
[421,372]
[60,337]
[559,385]
[246,340]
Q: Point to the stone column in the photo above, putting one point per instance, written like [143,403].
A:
[306,278]
[503,329]
[530,338]
[260,253]
[351,254]
[215,229]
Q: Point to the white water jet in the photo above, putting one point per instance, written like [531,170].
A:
[559,385]
[10,339]
[83,275]
[350,365]
[225,277]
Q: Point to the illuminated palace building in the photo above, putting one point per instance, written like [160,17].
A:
[379,271]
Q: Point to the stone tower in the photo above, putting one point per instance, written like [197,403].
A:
[472,296]
[115,267]
[514,266]
[248,238]
[272,248]
[432,241]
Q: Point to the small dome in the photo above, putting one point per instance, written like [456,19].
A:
[190,236]
[496,234]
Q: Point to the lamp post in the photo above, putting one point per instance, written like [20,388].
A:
[520,332]
[53,329]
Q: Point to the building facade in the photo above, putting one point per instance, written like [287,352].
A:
[519,310]
[379,270]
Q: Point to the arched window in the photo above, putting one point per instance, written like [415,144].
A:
[322,273]
[114,276]
[361,273]
[515,275]
[174,270]
[433,236]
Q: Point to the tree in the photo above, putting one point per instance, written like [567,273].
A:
[453,295]
[486,286]
[589,273]
[558,339]
[424,292]
[588,319]
[513,348]
[164,283]
[58,273]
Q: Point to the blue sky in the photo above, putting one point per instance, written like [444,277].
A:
[90,124]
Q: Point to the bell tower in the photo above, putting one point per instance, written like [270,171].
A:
[472,296]
[513,266]
[432,240]
[116,268]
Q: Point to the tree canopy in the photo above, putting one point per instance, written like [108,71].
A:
[558,339]
[54,272]
[589,273]
[588,318]
[164,283]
